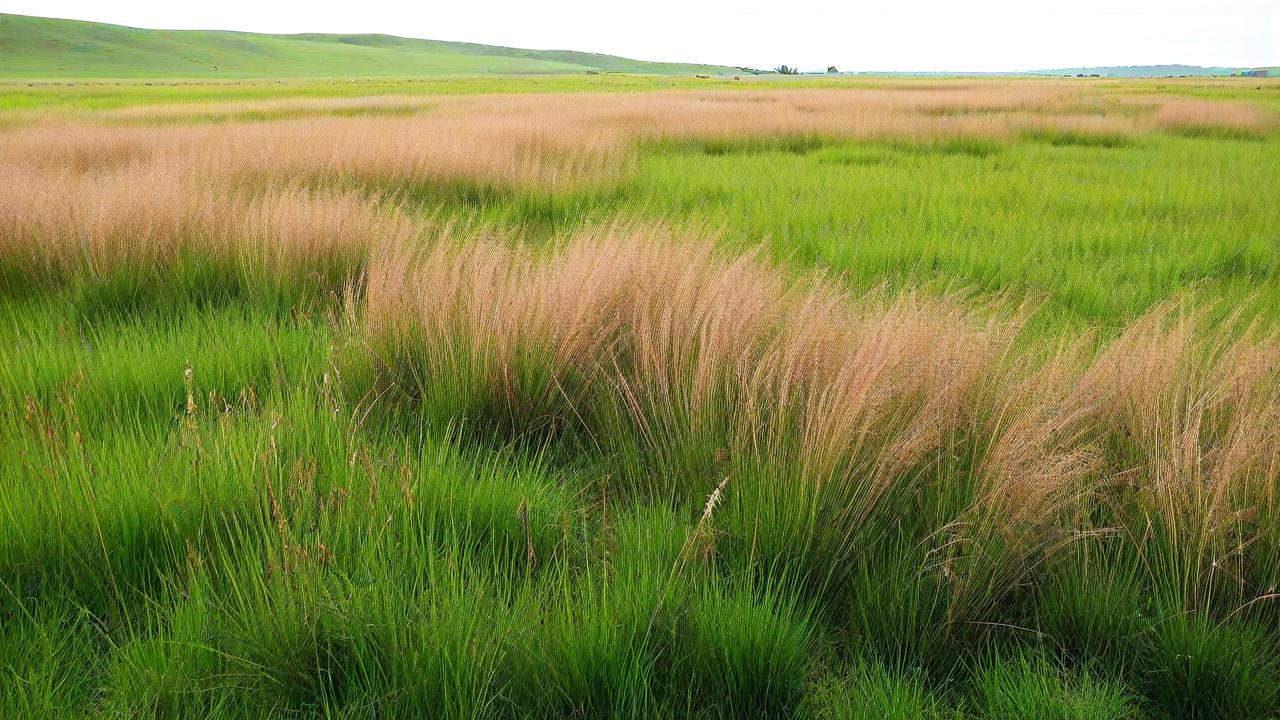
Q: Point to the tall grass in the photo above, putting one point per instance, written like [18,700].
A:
[683,366]
[93,190]
[630,470]
[150,219]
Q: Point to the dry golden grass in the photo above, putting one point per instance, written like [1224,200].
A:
[100,192]
[282,107]
[1166,438]
[1188,114]
[1039,449]
[549,138]
[850,392]
[495,149]
[989,108]
[56,223]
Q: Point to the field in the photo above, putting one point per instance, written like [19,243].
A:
[632,396]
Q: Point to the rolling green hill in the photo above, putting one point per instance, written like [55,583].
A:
[43,48]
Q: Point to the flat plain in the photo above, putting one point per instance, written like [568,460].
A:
[640,396]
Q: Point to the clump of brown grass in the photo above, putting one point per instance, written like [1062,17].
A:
[716,366]
[1175,397]
[702,354]
[489,145]
[689,366]
[55,222]
[1179,413]
[1039,450]
[1189,114]
[1183,418]
[59,223]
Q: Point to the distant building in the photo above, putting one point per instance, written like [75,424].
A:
[1256,73]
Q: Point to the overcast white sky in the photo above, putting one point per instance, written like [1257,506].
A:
[854,35]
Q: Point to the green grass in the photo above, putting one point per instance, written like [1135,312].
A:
[32,47]
[267,536]
[1093,234]
[1098,233]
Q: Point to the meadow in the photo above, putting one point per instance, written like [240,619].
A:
[622,396]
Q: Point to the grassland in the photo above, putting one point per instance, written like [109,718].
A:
[498,398]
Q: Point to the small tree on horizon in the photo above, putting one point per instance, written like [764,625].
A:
[786,70]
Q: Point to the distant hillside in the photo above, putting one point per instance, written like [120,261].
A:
[1138,71]
[32,47]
